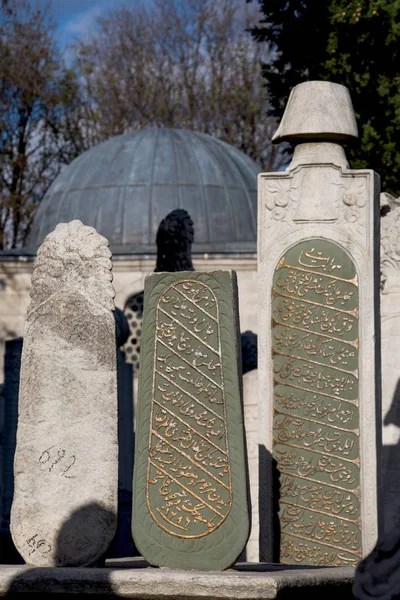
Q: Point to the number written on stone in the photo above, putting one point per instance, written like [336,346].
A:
[40,545]
[51,457]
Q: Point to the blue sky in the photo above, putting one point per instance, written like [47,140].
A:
[74,18]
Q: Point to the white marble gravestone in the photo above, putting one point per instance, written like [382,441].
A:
[318,363]
[250,406]
[66,459]
[390,319]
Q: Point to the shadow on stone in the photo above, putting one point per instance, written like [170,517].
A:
[122,544]
[82,530]
[378,575]
[268,505]
[391,469]
[393,414]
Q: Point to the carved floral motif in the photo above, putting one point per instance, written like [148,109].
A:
[278,198]
[390,235]
[354,198]
[280,193]
[390,243]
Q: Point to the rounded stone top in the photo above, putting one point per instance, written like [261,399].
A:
[318,111]
[125,186]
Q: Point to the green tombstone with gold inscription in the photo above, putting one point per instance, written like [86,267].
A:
[190,494]
[315,304]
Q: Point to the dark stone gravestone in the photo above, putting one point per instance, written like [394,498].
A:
[315,336]
[190,492]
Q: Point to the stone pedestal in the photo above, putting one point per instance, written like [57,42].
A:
[319,332]
[136,580]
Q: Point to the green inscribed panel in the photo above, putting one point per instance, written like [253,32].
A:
[190,495]
[315,349]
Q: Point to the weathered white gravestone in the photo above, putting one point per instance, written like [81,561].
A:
[390,319]
[319,334]
[66,460]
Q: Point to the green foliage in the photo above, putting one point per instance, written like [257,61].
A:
[352,42]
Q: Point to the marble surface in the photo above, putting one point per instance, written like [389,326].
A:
[133,578]
[318,110]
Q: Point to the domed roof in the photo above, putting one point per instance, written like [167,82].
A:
[124,187]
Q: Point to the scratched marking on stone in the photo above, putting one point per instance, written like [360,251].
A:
[37,544]
[54,455]
[188,488]
[316,404]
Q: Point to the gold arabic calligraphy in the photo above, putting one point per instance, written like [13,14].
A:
[188,474]
[316,406]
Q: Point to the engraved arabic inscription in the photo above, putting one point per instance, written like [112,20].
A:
[316,404]
[188,489]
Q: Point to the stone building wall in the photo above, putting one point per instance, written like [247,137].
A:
[15,283]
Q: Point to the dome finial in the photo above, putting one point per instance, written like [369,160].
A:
[319,111]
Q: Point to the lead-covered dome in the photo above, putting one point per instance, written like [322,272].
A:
[124,187]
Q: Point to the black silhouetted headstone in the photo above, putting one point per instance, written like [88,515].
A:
[174,240]
[249,351]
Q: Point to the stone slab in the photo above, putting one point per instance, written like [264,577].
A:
[190,492]
[390,323]
[133,579]
[66,459]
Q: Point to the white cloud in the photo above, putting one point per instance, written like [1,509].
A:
[83,21]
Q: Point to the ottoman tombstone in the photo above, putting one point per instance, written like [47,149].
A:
[66,459]
[319,335]
[190,493]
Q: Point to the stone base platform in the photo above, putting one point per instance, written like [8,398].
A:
[133,578]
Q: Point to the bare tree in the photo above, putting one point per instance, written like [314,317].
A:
[35,91]
[178,63]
